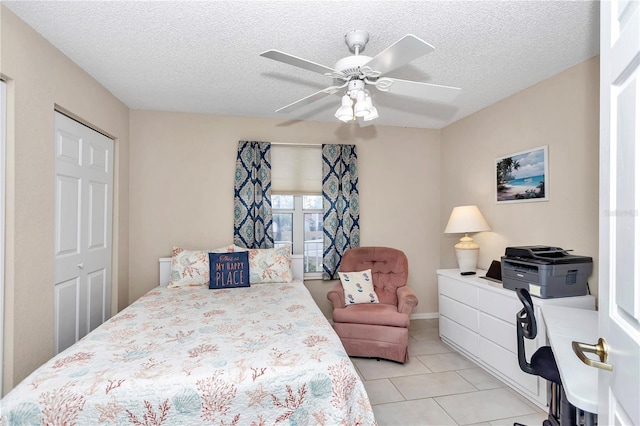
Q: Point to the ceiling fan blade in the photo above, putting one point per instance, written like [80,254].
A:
[331,90]
[276,55]
[416,89]
[400,53]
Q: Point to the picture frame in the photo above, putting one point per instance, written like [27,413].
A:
[522,177]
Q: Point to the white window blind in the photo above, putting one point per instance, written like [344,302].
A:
[296,169]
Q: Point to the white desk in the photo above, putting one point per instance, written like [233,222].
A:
[564,325]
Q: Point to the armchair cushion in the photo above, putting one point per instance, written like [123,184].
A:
[358,287]
[376,314]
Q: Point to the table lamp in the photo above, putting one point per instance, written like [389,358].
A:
[463,220]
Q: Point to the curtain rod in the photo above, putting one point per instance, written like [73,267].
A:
[307,145]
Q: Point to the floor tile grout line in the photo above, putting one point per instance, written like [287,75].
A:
[445,410]
[466,380]
[396,388]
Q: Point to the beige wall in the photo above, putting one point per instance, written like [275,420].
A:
[561,112]
[40,78]
[182,189]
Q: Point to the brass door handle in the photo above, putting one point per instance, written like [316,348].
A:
[600,349]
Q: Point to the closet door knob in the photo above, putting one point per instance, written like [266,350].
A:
[81,265]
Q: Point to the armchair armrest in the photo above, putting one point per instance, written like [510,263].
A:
[336,295]
[407,299]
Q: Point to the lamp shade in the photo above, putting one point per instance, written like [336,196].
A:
[466,219]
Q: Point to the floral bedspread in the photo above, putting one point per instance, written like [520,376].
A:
[261,355]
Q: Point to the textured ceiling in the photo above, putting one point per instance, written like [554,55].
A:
[204,56]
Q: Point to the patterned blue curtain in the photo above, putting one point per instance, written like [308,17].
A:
[253,226]
[341,209]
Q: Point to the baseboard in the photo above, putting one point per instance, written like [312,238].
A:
[432,315]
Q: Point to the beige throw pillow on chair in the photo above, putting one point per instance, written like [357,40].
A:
[358,287]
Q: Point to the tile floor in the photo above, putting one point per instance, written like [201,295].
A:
[440,387]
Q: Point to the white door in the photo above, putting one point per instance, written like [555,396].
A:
[3,126]
[83,215]
[619,277]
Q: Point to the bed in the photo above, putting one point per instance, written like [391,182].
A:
[258,355]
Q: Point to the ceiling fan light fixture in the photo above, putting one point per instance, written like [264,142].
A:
[345,116]
[362,107]
[373,114]
[345,112]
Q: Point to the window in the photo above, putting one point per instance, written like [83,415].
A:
[296,182]
[297,220]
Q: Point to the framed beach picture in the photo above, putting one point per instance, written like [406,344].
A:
[523,176]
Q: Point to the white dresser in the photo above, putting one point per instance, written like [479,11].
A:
[478,319]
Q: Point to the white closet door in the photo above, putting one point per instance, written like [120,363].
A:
[3,126]
[83,198]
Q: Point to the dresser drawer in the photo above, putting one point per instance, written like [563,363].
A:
[461,336]
[503,306]
[504,335]
[458,290]
[500,332]
[506,363]
[460,313]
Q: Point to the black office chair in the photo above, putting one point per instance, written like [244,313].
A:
[542,364]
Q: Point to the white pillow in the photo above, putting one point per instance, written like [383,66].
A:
[358,287]
[269,265]
[191,267]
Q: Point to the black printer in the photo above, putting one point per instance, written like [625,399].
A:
[547,272]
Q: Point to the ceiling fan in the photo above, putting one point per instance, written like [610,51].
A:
[357,71]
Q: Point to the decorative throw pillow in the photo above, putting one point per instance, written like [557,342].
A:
[191,267]
[269,265]
[358,287]
[228,270]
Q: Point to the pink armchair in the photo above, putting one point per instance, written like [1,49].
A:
[379,330]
